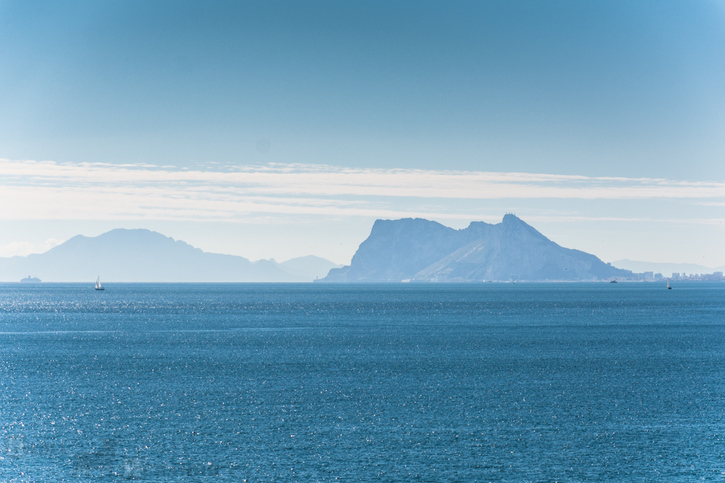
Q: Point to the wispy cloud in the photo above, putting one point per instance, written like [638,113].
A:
[46,189]
[600,219]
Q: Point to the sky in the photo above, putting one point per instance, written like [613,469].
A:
[279,129]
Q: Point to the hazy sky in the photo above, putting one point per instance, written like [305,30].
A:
[285,128]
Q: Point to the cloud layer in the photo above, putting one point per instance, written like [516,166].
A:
[33,190]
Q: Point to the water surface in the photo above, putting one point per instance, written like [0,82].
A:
[488,382]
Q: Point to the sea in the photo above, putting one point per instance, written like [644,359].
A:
[320,382]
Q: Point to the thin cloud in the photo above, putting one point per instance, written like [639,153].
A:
[46,189]
[600,219]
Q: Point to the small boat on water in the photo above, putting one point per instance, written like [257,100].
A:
[98,284]
[669,287]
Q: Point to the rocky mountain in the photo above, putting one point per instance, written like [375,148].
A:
[426,251]
[146,256]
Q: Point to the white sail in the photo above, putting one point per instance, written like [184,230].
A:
[98,283]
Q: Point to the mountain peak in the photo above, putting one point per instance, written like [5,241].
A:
[510,218]
[423,250]
[134,233]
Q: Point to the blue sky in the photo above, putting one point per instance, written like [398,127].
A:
[284,128]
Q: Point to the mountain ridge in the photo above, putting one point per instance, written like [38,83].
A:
[140,255]
[420,250]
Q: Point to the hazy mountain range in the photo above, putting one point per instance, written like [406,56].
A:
[666,269]
[146,256]
[426,251]
[415,250]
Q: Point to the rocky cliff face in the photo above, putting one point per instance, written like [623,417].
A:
[426,251]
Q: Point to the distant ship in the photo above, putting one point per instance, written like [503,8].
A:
[30,279]
[668,284]
[98,284]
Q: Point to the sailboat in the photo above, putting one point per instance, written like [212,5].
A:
[98,284]
[668,284]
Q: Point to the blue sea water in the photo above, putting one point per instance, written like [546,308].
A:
[247,382]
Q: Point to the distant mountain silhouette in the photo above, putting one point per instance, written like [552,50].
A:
[308,268]
[146,256]
[426,251]
[666,269]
